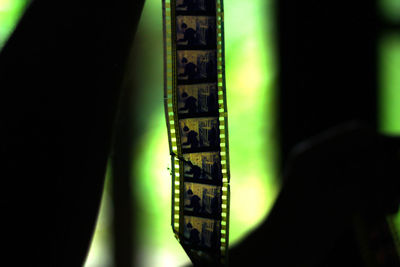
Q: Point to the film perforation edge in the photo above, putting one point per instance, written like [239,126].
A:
[174,126]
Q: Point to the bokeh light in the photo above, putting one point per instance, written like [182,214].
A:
[250,79]
[389,93]
[10,13]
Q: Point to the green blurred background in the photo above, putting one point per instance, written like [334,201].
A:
[250,71]
[251,76]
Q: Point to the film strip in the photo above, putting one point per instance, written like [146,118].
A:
[196,115]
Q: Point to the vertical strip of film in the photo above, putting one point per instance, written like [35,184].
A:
[169,84]
[196,112]
[223,116]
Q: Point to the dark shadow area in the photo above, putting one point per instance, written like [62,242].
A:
[339,175]
[339,187]
[60,80]
[328,70]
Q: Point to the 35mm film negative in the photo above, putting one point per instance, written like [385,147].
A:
[196,115]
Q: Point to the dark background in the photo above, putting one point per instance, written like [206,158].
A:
[328,70]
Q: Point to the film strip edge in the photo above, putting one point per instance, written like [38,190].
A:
[223,127]
[171,118]
[173,124]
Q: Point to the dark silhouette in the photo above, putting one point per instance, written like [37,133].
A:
[194,235]
[190,103]
[215,204]
[213,137]
[189,35]
[195,171]
[216,172]
[203,202]
[63,134]
[215,237]
[191,138]
[194,205]
[210,69]
[212,103]
[190,69]
[211,35]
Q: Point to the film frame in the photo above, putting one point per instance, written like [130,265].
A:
[196,32]
[202,233]
[203,167]
[196,66]
[179,155]
[202,200]
[198,100]
[199,134]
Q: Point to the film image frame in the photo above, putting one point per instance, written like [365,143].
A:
[198,100]
[202,200]
[196,66]
[199,134]
[203,167]
[202,233]
[195,32]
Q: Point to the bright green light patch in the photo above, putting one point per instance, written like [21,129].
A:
[101,247]
[151,188]
[389,95]
[390,10]
[152,191]
[250,74]
[10,13]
